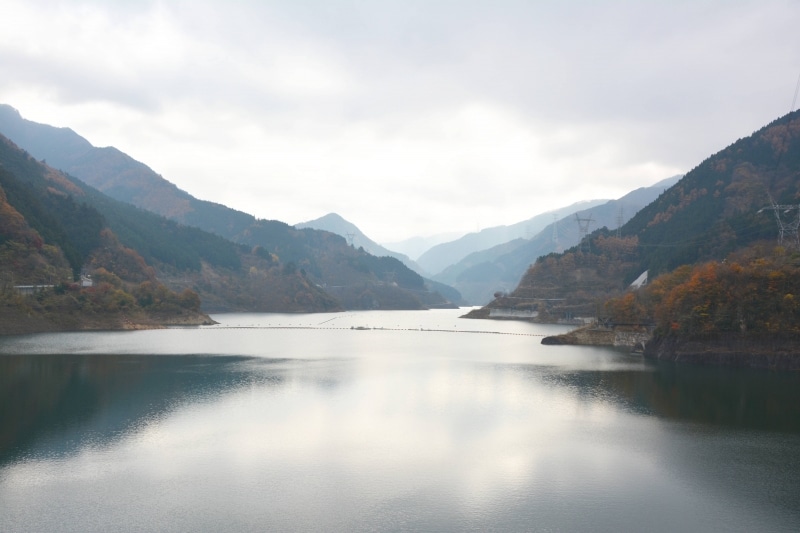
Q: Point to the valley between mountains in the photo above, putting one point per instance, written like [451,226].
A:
[102,241]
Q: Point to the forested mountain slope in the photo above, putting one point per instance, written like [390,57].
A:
[721,206]
[479,275]
[323,258]
[334,223]
[117,175]
[123,244]
[47,239]
[443,255]
[87,211]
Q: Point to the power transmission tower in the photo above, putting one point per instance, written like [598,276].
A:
[620,220]
[556,244]
[583,229]
[350,237]
[787,226]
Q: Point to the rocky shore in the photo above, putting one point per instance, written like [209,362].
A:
[768,352]
[628,337]
[16,321]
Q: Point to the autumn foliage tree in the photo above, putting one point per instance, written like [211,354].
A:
[156,297]
[754,292]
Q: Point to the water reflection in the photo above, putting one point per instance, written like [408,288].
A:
[56,404]
[727,397]
[378,430]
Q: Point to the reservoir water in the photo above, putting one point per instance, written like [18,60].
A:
[385,421]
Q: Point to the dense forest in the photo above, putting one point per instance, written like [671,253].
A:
[570,285]
[55,228]
[718,207]
[82,211]
[323,258]
[130,298]
[709,246]
[45,245]
[755,291]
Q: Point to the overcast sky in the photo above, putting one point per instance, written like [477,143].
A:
[405,117]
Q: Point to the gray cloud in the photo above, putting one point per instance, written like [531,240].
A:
[456,109]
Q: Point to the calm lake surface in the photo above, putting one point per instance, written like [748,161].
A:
[420,423]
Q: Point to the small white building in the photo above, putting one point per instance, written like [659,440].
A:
[640,281]
[86,280]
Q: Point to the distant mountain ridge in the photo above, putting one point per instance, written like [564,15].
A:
[119,176]
[358,279]
[720,213]
[122,244]
[334,223]
[439,257]
[414,247]
[479,275]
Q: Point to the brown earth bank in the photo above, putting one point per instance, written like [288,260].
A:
[622,336]
[478,313]
[769,352]
[17,321]
[775,352]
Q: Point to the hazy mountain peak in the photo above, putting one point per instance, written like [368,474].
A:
[61,144]
[441,256]
[335,223]
[6,109]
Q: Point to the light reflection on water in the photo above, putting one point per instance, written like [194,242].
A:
[384,429]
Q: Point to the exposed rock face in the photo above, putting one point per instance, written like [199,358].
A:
[774,353]
[478,313]
[594,336]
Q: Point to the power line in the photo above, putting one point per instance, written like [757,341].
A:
[791,225]
[556,244]
[583,229]
[785,227]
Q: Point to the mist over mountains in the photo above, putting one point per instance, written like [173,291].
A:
[282,269]
[720,248]
[333,258]
[416,246]
[481,274]
[443,255]
[119,176]
[123,178]
[489,269]
[336,224]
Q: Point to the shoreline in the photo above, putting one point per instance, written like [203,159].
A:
[15,321]
[772,353]
[592,335]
